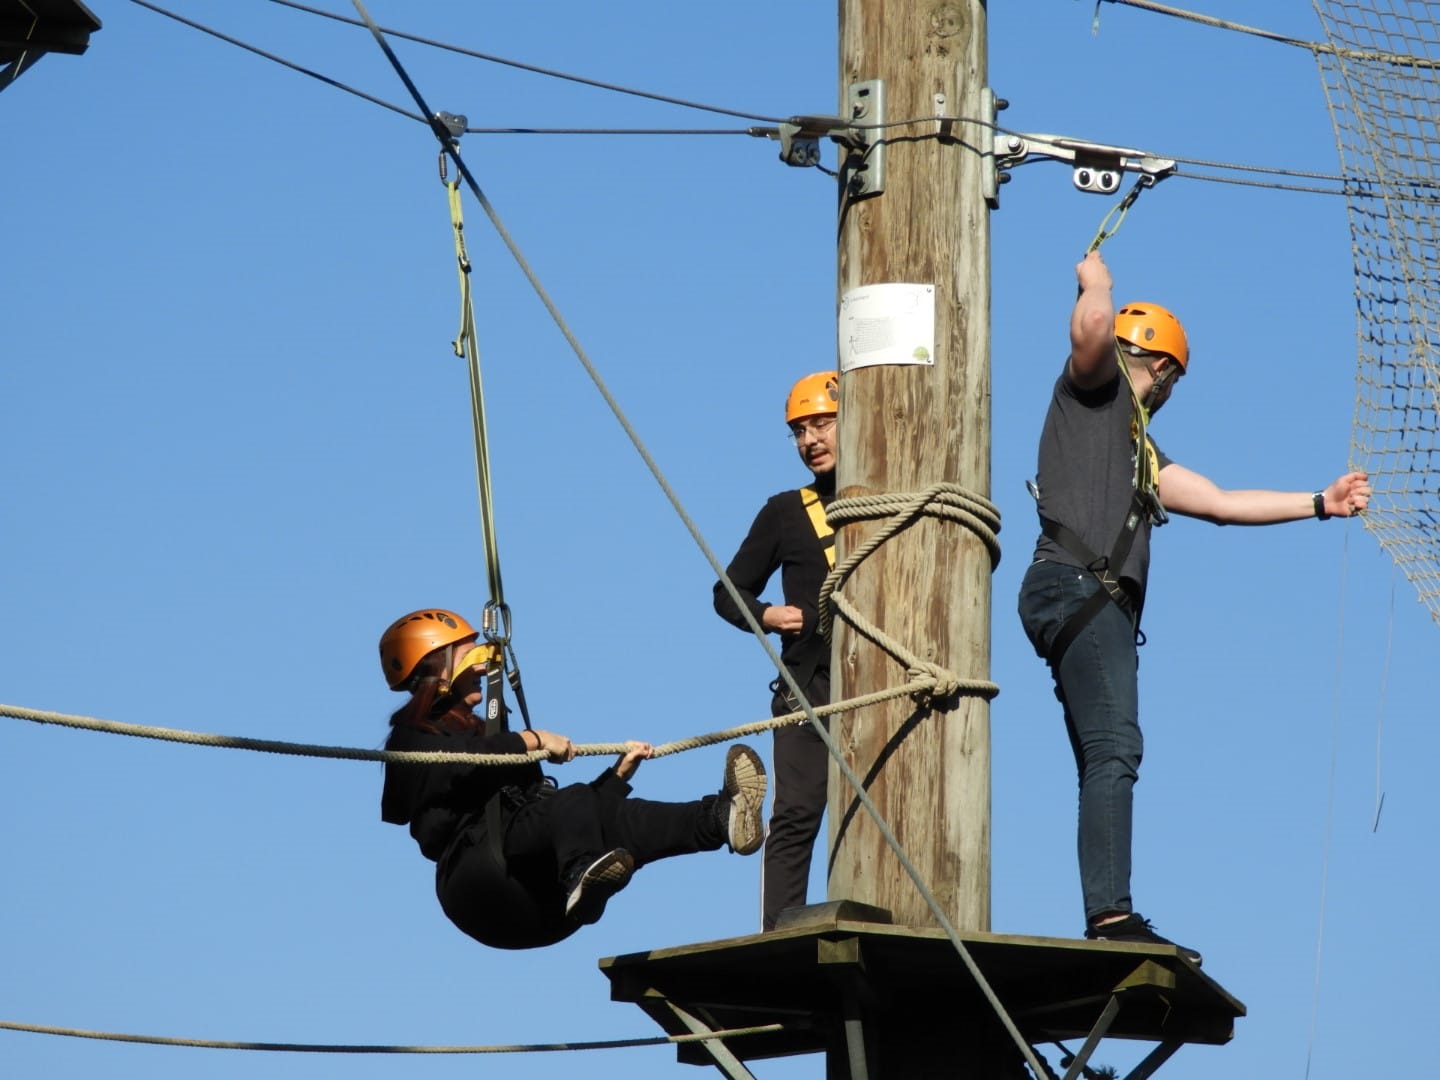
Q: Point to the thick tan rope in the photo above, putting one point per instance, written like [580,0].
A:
[919,685]
[324,1048]
[948,502]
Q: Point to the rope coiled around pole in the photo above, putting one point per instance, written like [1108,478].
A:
[945,501]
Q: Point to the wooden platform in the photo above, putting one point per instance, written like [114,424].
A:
[828,975]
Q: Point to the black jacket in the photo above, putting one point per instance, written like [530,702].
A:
[435,800]
[783,538]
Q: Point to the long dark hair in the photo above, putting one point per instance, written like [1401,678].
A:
[435,704]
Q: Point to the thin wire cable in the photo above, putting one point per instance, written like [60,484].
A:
[1380,709]
[1354,187]
[857,785]
[1239,182]
[229,40]
[341,1048]
[1238,167]
[1350,186]
[1399,59]
[326,79]
[1219,24]
[1329,801]
[614,87]
[753,132]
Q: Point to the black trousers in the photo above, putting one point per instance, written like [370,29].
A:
[802,768]
[563,833]
[511,894]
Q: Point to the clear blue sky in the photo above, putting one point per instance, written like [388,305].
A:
[236,445]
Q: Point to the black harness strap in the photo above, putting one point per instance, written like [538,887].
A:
[1106,569]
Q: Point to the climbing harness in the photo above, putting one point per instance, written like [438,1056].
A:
[815,510]
[1105,568]
[1145,506]
[495,618]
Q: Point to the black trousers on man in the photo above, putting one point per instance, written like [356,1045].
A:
[802,767]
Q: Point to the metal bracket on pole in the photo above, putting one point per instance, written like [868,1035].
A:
[1095,167]
[859,133]
[867,108]
[800,138]
[992,175]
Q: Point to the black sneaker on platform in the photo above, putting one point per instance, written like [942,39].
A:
[593,887]
[1133,928]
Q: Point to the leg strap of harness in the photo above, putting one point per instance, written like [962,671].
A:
[495,830]
[1104,568]
[1073,625]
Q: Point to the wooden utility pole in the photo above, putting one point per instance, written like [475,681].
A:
[903,428]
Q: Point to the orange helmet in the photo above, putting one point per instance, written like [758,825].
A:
[1154,329]
[814,395]
[412,637]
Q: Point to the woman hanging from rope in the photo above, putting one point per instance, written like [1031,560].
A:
[521,863]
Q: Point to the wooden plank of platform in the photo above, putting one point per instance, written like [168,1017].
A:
[1053,988]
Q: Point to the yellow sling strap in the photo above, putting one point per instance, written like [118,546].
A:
[813,507]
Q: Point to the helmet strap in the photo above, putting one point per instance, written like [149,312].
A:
[1160,384]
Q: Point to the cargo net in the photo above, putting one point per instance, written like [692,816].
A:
[1381,75]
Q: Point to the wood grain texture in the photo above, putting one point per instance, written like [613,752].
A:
[901,429]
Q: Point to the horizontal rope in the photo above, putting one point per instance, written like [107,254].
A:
[341,1048]
[918,685]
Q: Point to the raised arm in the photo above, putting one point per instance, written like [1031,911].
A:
[1092,325]
[1186,492]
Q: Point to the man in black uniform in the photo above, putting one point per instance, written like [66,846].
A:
[790,534]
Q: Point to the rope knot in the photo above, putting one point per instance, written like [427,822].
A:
[944,682]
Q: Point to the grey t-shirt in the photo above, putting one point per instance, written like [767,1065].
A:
[1087,471]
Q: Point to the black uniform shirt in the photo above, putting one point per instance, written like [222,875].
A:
[783,538]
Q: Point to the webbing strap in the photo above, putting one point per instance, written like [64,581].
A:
[496,621]
[1105,568]
[815,509]
[465,345]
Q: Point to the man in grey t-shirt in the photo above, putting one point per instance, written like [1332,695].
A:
[1102,483]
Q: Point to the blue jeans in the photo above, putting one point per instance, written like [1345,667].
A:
[1096,682]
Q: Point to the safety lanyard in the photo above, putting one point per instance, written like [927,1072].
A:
[495,618]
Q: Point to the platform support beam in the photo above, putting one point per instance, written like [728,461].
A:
[725,1061]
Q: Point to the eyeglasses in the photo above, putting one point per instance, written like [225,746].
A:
[815,428]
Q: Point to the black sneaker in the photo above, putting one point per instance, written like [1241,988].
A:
[1133,928]
[592,888]
[742,800]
